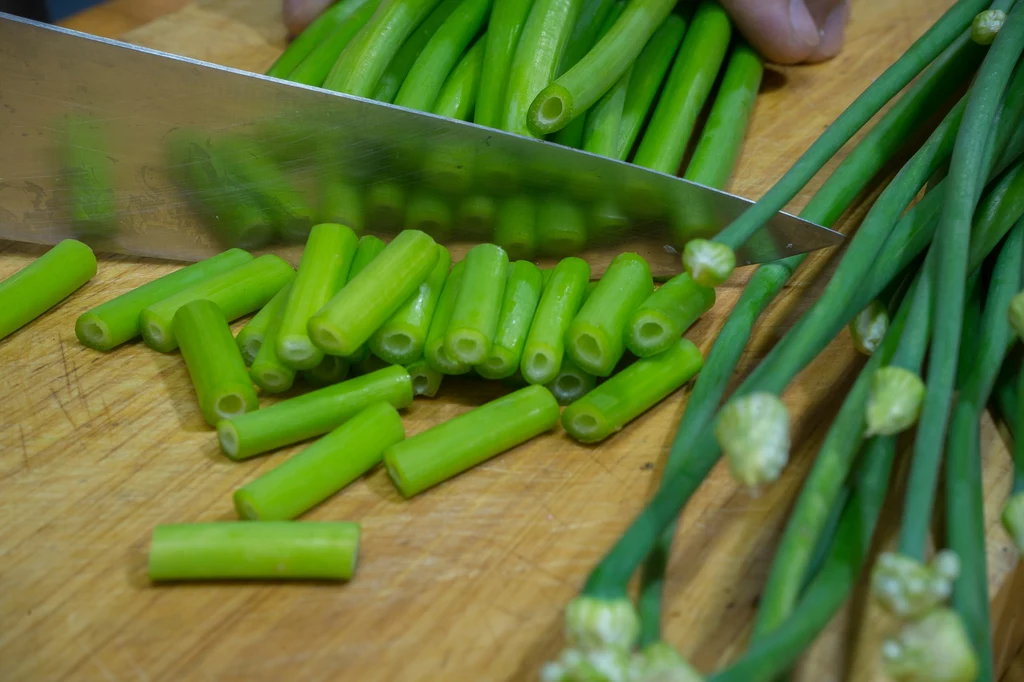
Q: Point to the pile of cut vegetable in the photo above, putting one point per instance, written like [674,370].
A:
[929,287]
[626,80]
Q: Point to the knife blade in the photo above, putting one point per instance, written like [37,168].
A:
[142,152]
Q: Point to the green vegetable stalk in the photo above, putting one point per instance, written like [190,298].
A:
[250,338]
[521,297]
[349,18]
[402,338]
[398,68]
[503,30]
[561,299]
[458,95]
[474,318]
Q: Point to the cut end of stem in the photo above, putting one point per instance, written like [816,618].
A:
[753,431]
[327,339]
[272,379]
[467,346]
[1017,314]
[595,624]
[250,349]
[229,405]
[244,506]
[894,405]
[397,346]
[1013,519]
[227,435]
[540,365]
[935,647]
[551,110]
[607,665]
[709,263]
[908,589]
[299,352]
[93,332]
[155,336]
[986,26]
[868,328]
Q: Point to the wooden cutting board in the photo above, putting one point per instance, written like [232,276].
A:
[465,582]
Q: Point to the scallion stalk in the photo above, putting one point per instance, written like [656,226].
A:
[250,338]
[402,338]
[521,297]
[515,228]
[571,383]
[268,370]
[559,303]
[398,68]
[457,98]
[434,351]
[474,319]
[312,36]
[426,381]
[665,315]
[503,30]
[314,67]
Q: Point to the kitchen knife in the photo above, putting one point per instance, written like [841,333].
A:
[141,152]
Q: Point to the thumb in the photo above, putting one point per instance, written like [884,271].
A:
[783,31]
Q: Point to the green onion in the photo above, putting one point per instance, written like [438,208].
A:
[966,176]
[324,550]
[457,98]
[603,121]
[541,46]
[362,63]
[515,228]
[369,248]
[110,324]
[312,414]
[933,647]
[440,55]
[631,392]
[426,380]
[434,351]
[648,74]
[340,202]
[506,24]
[571,383]
[322,272]
[88,172]
[44,283]
[545,344]
[349,319]
[268,370]
[250,338]
[868,328]
[430,213]
[450,448]
[324,468]
[476,216]
[575,91]
[238,292]
[398,68]
[594,339]
[474,319]
[689,83]
[986,26]
[402,338]
[331,370]
[722,135]
[317,63]
[924,50]
[593,22]
[313,35]
[659,321]
[561,227]
[214,362]
[522,294]
[385,205]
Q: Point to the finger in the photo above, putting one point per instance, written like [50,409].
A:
[298,14]
[833,32]
[783,31]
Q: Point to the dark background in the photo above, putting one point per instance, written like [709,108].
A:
[45,10]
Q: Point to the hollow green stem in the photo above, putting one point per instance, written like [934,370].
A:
[631,392]
[426,381]
[222,385]
[324,468]
[476,215]
[648,74]
[559,303]
[503,30]
[722,136]
[561,227]
[429,212]
[575,91]
[541,45]
[604,120]
[351,317]
[474,319]
[457,97]
[250,338]
[44,283]
[689,83]
[385,205]
[402,338]
[665,315]
[452,447]
[312,414]
[322,272]
[434,351]
[441,54]
[317,63]
[313,35]
[331,370]
[110,324]
[515,228]
[340,202]
[521,296]
[362,63]
[268,370]
[571,383]
[594,339]
[283,550]
[398,68]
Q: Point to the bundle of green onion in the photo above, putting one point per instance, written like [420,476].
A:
[587,75]
[929,289]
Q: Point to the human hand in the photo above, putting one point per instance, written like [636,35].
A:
[784,31]
[791,31]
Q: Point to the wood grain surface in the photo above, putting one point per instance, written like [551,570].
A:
[465,582]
